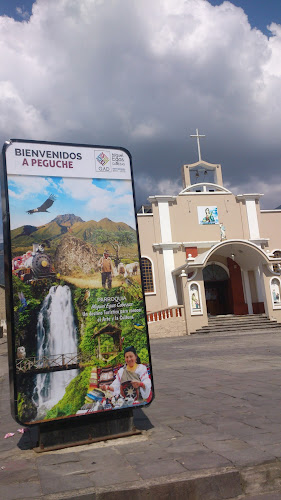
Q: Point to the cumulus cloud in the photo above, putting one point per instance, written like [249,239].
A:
[113,199]
[270,190]
[162,187]
[22,187]
[144,75]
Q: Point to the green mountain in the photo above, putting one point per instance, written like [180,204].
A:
[91,232]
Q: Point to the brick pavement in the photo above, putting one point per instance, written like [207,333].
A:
[213,431]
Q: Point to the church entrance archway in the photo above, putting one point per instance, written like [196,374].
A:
[217,290]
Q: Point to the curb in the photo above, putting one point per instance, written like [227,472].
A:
[219,485]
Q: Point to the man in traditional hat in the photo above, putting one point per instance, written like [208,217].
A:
[106,268]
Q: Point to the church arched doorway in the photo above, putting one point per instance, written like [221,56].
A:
[217,289]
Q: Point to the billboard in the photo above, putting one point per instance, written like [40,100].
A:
[78,340]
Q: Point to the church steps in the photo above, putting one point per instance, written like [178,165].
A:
[231,323]
[206,330]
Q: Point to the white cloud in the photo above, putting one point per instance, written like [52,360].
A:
[270,190]
[24,14]
[114,201]
[22,187]
[163,186]
[142,75]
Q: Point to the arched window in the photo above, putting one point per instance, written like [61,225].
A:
[147,275]
[276,267]
[195,299]
[275,293]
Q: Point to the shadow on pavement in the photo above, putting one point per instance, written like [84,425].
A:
[29,439]
[141,421]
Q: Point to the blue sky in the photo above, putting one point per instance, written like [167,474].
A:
[261,13]
[16,9]
[86,198]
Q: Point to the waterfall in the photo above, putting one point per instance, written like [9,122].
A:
[56,334]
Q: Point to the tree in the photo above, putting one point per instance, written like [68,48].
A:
[116,239]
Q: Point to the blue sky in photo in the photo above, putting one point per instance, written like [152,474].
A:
[85,198]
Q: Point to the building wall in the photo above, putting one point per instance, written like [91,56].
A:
[184,218]
[273,313]
[147,230]
[270,223]
[241,217]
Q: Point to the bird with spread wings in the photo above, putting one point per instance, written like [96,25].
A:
[43,208]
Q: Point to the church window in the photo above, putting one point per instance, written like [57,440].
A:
[275,293]
[276,267]
[147,275]
[195,299]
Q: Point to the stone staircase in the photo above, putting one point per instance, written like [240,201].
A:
[232,323]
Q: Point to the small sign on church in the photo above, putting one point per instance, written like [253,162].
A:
[208,215]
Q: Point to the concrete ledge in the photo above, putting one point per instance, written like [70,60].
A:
[210,485]
[170,327]
[262,478]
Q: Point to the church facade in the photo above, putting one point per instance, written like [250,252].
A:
[210,250]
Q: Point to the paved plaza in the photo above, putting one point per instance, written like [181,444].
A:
[213,431]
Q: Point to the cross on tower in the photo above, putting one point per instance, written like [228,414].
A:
[198,142]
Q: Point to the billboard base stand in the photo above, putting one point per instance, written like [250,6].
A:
[56,435]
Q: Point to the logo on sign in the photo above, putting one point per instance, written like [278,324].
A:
[103,163]
[102,159]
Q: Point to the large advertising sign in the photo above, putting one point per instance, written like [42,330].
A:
[78,341]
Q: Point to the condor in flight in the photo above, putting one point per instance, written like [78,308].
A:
[43,208]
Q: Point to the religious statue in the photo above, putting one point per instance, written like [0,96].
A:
[222,230]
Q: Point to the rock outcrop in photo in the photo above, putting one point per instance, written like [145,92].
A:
[73,255]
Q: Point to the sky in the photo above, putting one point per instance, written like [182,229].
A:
[145,75]
[85,198]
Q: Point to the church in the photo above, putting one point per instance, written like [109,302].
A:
[209,252]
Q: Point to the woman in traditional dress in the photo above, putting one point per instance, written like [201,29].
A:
[132,380]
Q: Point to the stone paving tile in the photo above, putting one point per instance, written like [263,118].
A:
[159,468]
[58,483]
[144,457]
[273,449]
[17,471]
[138,447]
[65,469]
[57,458]
[213,436]
[248,456]
[109,476]
[264,439]
[97,462]
[20,490]
[226,445]
[203,460]
[193,427]
[158,435]
[241,430]
[182,440]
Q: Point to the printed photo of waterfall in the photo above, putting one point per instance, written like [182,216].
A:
[80,335]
